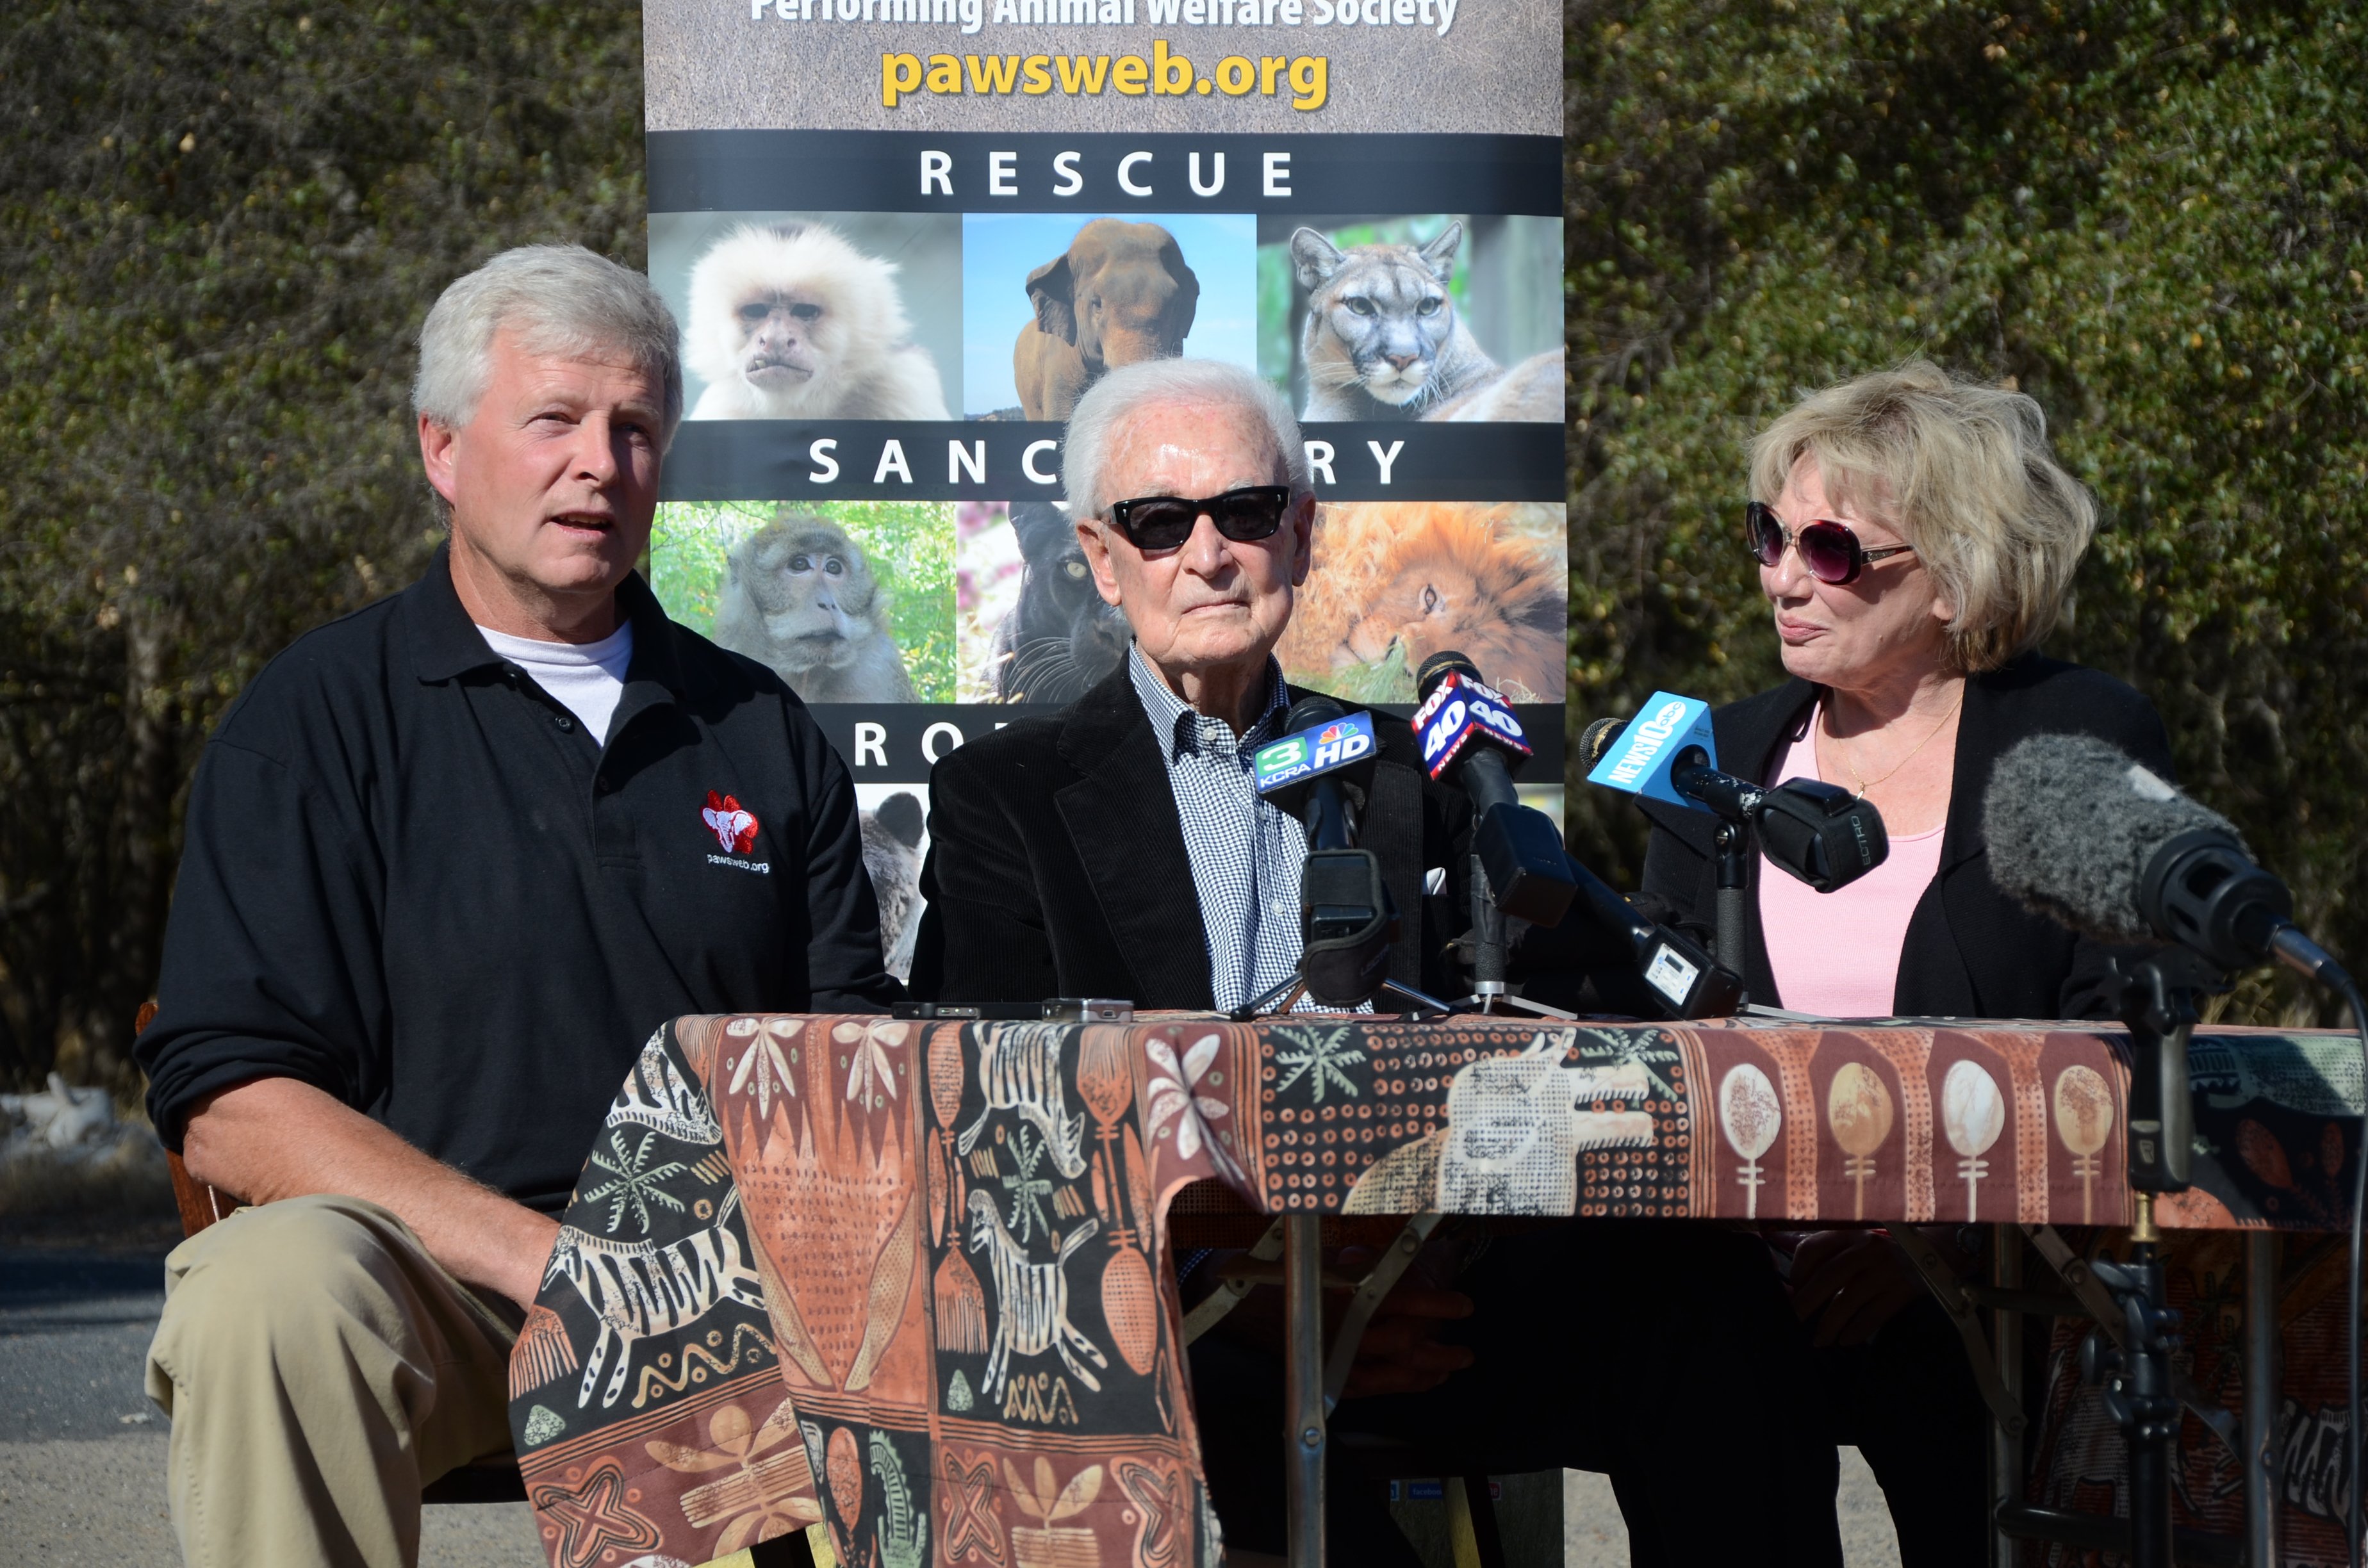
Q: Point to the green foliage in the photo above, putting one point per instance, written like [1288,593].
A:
[220,223]
[1275,286]
[910,545]
[2149,216]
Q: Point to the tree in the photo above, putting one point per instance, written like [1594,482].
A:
[221,224]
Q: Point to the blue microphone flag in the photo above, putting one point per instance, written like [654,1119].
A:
[1338,742]
[1640,760]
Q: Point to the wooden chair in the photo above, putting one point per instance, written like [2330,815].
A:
[494,1479]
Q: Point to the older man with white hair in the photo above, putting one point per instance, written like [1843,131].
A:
[450,860]
[1118,848]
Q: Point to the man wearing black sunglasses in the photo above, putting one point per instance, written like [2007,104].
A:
[1119,849]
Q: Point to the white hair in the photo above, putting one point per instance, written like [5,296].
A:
[560,300]
[1130,389]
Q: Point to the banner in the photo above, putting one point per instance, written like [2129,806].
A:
[904,235]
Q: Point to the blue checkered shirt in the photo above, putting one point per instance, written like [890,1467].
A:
[1246,854]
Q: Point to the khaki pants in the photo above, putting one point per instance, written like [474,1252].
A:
[319,1367]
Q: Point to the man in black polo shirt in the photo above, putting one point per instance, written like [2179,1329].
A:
[449,861]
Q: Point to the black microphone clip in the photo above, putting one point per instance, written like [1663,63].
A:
[1347,924]
[2201,890]
[1819,833]
[1348,921]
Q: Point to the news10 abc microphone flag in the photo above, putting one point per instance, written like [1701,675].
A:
[902,236]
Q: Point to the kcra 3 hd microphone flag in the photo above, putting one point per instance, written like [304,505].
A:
[1639,759]
[1339,742]
[1458,710]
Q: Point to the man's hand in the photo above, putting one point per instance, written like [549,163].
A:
[274,1138]
[1851,1283]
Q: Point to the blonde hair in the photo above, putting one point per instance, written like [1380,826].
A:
[1963,469]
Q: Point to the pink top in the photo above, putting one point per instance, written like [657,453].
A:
[1836,954]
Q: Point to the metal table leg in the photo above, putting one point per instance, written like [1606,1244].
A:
[2261,1445]
[1302,1267]
[1388,1269]
[2006,1341]
[1229,1292]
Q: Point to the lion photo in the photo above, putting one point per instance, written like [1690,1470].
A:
[1395,582]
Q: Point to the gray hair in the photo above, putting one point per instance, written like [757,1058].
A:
[1963,469]
[1130,389]
[561,300]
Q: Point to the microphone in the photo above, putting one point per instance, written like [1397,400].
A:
[1596,738]
[1321,771]
[1467,729]
[2079,832]
[1818,833]
[1684,981]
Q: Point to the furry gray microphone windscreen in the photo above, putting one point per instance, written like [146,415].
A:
[2072,826]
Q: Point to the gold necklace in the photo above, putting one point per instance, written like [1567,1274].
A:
[1864,783]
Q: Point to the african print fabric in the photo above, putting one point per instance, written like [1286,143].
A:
[911,1281]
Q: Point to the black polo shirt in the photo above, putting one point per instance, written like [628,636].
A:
[412,880]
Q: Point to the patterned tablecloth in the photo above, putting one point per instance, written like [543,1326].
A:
[910,1280]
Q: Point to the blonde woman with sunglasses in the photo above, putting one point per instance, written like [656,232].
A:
[1916,540]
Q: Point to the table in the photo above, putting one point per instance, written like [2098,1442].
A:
[912,1280]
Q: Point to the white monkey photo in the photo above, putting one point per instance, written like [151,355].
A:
[792,317]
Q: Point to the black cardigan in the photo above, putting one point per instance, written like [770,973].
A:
[1972,951]
[1057,865]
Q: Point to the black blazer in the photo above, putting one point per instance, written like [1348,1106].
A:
[1972,951]
[1057,865]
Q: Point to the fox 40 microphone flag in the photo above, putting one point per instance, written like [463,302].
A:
[1457,713]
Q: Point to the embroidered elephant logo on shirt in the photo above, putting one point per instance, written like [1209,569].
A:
[734,825]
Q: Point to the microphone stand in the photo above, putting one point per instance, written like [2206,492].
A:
[1733,843]
[1283,996]
[1489,962]
[2158,1006]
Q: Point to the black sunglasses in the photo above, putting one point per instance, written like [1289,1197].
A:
[1163,522]
[1830,552]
